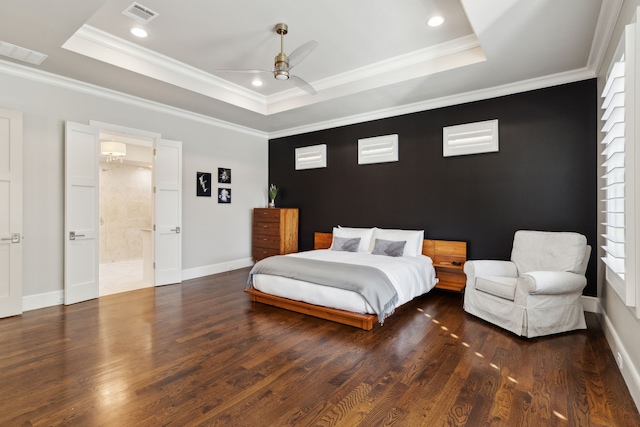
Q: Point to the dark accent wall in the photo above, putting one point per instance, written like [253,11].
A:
[543,178]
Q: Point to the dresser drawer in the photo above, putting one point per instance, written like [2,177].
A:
[260,253]
[265,242]
[266,215]
[266,228]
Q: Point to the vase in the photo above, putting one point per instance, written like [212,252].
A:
[272,203]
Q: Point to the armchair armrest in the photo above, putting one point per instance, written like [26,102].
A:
[477,268]
[552,282]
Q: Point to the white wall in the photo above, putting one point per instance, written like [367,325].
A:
[216,237]
[620,324]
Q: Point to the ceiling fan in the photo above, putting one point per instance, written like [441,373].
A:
[283,63]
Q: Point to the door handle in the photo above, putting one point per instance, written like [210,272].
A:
[73,235]
[15,238]
[177,230]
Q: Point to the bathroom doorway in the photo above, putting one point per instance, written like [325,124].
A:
[125,213]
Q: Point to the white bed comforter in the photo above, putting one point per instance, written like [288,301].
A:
[411,276]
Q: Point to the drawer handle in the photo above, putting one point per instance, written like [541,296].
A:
[265,239]
[265,226]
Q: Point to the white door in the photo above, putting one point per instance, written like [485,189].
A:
[81,213]
[10,213]
[167,182]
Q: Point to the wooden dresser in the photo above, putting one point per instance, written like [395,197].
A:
[275,232]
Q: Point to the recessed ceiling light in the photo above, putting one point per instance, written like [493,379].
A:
[257,82]
[435,21]
[139,32]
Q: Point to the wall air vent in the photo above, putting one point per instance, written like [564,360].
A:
[312,157]
[21,54]
[470,138]
[379,149]
[140,13]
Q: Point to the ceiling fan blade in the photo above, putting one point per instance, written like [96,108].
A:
[302,84]
[300,53]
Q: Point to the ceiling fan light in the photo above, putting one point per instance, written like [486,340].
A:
[281,74]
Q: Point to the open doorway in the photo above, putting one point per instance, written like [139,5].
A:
[125,213]
[82,217]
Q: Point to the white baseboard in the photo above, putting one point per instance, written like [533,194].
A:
[628,370]
[194,273]
[591,304]
[49,299]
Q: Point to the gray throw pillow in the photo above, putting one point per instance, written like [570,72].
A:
[389,247]
[346,244]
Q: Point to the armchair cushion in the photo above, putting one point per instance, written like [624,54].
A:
[503,287]
[548,251]
[478,268]
[554,282]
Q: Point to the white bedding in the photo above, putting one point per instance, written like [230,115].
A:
[411,276]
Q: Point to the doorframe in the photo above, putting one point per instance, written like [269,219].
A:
[110,127]
[134,133]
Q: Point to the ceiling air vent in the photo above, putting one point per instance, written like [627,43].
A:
[21,54]
[139,13]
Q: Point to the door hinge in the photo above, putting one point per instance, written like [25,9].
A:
[154,190]
[154,227]
[154,265]
[154,151]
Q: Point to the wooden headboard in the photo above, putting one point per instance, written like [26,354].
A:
[443,253]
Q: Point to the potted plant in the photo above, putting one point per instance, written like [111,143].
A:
[273,192]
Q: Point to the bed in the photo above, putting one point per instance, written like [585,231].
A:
[409,269]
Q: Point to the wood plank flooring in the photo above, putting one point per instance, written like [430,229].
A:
[201,354]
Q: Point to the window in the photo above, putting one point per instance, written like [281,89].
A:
[619,111]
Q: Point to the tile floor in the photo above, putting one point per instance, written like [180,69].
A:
[121,276]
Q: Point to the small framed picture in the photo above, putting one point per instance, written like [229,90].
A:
[203,184]
[224,195]
[224,176]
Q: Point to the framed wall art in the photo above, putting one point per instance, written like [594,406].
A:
[224,176]
[203,184]
[224,195]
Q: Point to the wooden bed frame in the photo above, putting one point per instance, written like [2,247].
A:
[442,252]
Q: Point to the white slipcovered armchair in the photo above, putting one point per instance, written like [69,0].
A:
[537,292]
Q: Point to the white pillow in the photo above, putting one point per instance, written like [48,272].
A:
[363,233]
[414,239]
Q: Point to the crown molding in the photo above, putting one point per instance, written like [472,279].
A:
[29,73]
[609,12]
[97,44]
[44,77]
[478,95]
[100,45]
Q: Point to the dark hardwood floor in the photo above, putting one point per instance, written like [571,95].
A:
[200,353]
